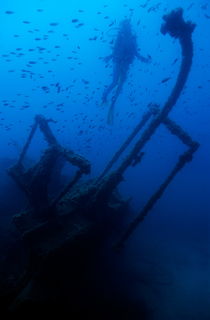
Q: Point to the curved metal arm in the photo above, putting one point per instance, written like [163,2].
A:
[177,28]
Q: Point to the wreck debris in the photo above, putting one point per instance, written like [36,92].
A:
[34,181]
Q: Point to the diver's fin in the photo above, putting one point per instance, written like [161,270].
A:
[110,118]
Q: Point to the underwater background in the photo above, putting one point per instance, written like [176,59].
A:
[51,63]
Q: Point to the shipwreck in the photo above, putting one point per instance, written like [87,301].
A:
[62,235]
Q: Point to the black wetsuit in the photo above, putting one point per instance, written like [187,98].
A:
[124,53]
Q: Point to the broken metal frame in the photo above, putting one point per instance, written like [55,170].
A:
[54,151]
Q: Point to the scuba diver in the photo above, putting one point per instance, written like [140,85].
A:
[124,52]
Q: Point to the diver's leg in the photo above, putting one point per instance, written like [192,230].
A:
[110,118]
[115,80]
[122,79]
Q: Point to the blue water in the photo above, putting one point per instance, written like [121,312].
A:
[166,260]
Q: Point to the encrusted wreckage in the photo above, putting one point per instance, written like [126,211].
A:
[75,222]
